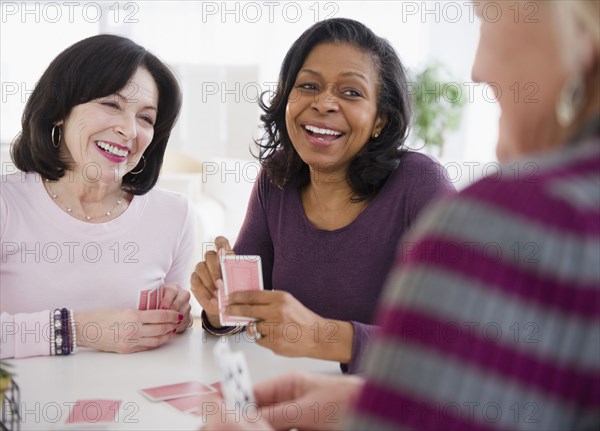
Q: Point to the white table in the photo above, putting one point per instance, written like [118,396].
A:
[47,383]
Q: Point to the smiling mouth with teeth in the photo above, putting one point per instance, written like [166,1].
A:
[315,131]
[111,149]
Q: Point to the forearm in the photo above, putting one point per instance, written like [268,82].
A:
[37,334]
[82,321]
[334,341]
[344,342]
[25,335]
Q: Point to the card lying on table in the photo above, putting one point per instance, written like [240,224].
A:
[177,390]
[188,404]
[239,273]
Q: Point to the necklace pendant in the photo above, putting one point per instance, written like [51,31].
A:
[107,213]
[88,218]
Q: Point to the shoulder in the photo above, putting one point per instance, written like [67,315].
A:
[559,192]
[161,195]
[17,195]
[555,187]
[175,205]
[420,170]
[265,186]
[415,160]
[418,178]
[17,185]
[18,179]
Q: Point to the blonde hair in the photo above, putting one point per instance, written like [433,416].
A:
[588,12]
[578,13]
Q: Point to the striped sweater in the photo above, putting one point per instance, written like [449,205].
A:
[491,319]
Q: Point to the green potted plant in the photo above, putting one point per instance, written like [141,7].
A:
[438,103]
[5,380]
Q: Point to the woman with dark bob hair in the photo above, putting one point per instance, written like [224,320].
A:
[86,240]
[335,195]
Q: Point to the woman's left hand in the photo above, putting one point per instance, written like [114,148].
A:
[177,298]
[288,328]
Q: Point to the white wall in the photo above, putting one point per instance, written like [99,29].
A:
[224,51]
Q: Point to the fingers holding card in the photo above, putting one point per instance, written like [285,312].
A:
[240,273]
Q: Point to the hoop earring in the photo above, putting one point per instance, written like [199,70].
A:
[143,167]
[52,134]
[570,100]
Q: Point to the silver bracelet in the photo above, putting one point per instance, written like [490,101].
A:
[73,331]
[52,334]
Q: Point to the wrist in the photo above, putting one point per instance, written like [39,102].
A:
[214,320]
[220,330]
[336,340]
[63,338]
[81,319]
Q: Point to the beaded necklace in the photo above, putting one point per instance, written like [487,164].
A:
[85,216]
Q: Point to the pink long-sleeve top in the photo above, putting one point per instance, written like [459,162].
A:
[52,260]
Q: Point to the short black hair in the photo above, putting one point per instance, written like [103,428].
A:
[95,67]
[371,167]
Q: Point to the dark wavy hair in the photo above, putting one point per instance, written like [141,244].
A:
[95,67]
[371,167]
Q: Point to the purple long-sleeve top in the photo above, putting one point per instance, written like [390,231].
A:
[338,274]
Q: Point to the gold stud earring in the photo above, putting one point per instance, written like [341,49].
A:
[375,135]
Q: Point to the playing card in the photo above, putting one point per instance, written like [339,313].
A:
[236,385]
[153,299]
[94,412]
[177,390]
[187,404]
[143,299]
[239,273]
[216,386]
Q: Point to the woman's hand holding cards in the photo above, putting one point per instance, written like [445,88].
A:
[322,402]
[206,280]
[288,328]
[282,324]
[177,299]
[126,331]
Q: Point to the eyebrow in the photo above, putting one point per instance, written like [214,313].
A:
[349,73]
[145,107]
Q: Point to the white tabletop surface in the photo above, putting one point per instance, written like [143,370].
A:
[49,384]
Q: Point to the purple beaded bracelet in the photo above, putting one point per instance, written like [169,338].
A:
[66,331]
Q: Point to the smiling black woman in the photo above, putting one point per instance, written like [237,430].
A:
[335,195]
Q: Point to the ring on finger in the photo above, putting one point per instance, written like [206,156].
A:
[256,335]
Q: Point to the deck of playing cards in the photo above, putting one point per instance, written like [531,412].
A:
[239,273]
[150,299]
